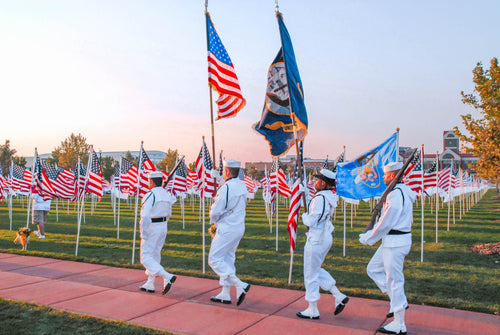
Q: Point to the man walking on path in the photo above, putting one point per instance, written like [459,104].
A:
[386,265]
[155,211]
[228,215]
[41,210]
[318,221]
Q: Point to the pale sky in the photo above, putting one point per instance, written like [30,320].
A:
[121,72]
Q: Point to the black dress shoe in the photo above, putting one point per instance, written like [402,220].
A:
[144,290]
[300,315]
[391,314]
[341,306]
[385,331]
[220,301]
[167,287]
[242,295]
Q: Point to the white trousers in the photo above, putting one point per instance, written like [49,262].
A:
[314,276]
[386,270]
[223,254]
[151,244]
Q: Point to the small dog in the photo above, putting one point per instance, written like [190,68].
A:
[23,237]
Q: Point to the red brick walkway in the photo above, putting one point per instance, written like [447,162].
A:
[112,293]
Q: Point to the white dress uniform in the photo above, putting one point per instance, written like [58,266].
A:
[386,265]
[155,211]
[228,214]
[318,243]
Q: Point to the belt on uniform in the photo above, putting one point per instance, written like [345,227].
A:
[397,232]
[159,219]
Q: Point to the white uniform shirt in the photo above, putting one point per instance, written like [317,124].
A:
[39,204]
[229,206]
[394,215]
[319,216]
[157,203]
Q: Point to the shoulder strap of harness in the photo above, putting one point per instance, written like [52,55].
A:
[402,195]
[324,205]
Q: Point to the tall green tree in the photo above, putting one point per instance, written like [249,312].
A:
[108,167]
[169,160]
[128,156]
[484,138]
[66,155]
[6,156]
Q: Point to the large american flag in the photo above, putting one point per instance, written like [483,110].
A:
[21,178]
[204,166]
[293,215]
[64,183]
[430,176]
[178,184]
[94,182]
[221,75]
[146,167]
[445,179]
[250,184]
[128,176]
[43,183]
[413,174]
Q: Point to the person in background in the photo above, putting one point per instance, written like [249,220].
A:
[41,210]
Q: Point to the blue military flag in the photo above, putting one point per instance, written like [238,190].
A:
[363,177]
[284,100]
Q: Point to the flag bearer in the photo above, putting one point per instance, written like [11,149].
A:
[228,215]
[155,211]
[386,265]
[318,221]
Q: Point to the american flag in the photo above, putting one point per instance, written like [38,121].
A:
[192,179]
[445,179]
[94,182]
[64,183]
[221,75]
[146,166]
[128,175]
[43,183]
[178,184]
[21,178]
[80,174]
[430,176]
[293,215]
[3,184]
[204,166]
[250,184]
[413,174]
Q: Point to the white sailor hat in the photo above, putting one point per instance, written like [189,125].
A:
[327,176]
[231,163]
[393,166]
[155,174]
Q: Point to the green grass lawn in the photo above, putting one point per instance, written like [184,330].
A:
[450,276]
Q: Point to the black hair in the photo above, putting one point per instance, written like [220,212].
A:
[157,181]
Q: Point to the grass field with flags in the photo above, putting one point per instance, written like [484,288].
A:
[451,275]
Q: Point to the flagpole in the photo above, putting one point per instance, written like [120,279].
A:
[82,204]
[11,191]
[210,90]
[276,200]
[119,200]
[31,187]
[437,193]
[423,203]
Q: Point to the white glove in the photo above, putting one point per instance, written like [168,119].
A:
[362,239]
[302,189]
[214,174]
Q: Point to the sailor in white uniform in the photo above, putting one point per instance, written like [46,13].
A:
[155,211]
[386,265]
[228,215]
[318,221]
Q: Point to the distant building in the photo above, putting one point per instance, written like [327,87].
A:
[450,154]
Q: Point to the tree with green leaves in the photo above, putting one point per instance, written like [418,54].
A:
[128,156]
[108,167]
[484,138]
[66,155]
[6,155]
[169,160]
